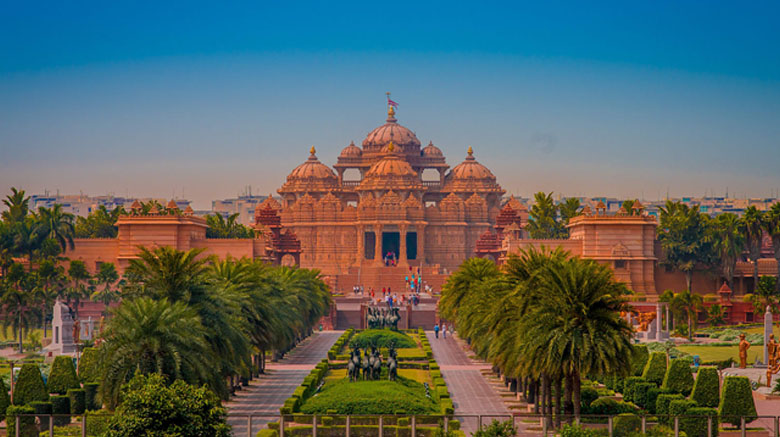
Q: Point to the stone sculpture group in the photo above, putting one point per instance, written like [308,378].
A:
[380,319]
[371,364]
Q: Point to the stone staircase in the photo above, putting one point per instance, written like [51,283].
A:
[380,277]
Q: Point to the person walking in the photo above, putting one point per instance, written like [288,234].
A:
[444,330]
[436,330]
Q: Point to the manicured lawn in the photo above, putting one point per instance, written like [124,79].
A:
[404,396]
[418,375]
[718,353]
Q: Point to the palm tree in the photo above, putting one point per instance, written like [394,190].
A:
[569,209]
[543,223]
[106,276]
[56,224]
[715,315]
[729,243]
[154,336]
[764,295]
[230,228]
[100,223]
[51,278]
[688,304]
[461,283]
[772,227]
[684,237]
[165,272]
[79,277]
[17,301]
[17,205]
[753,230]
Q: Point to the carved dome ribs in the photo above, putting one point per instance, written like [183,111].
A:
[401,136]
[471,177]
[311,176]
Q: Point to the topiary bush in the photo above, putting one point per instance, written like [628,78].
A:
[695,421]
[62,376]
[628,387]
[27,426]
[655,369]
[651,397]
[587,396]
[381,338]
[625,423]
[497,429]
[78,400]
[706,388]
[43,410]
[29,385]
[5,399]
[607,406]
[89,370]
[680,407]
[736,400]
[678,378]
[575,430]
[639,359]
[91,396]
[60,405]
[640,393]
[662,406]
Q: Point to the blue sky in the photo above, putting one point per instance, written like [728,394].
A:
[626,99]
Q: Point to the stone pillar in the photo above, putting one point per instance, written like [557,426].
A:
[767,332]
[361,241]
[402,247]
[668,319]
[378,244]
[659,325]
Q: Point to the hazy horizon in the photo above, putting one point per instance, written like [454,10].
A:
[615,100]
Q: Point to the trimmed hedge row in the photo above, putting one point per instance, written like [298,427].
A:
[307,388]
[62,376]
[736,400]
[706,389]
[678,378]
[335,350]
[655,369]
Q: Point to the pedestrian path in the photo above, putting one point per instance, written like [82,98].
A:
[266,395]
[470,392]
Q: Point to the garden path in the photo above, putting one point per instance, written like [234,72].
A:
[266,395]
[471,394]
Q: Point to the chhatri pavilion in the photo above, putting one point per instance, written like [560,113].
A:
[388,214]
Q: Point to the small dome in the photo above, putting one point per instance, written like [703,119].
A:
[351,151]
[431,151]
[403,138]
[471,176]
[312,175]
[391,172]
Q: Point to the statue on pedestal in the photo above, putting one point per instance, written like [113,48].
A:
[773,350]
[744,345]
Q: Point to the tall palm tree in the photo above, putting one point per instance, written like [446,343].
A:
[729,243]
[685,239]
[154,336]
[106,276]
[772,227]
[17,299]
[51,280]
[56,224]
[753,230]
[543,222]
[569,209]
[688,304]
[17,205]
[79,277]
[461,283]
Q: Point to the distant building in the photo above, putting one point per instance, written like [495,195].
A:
[243,205]
[82,205]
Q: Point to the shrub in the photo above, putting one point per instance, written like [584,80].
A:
[587,396]
[29,385]
[381,338]
[640,393]
[662,406]
[27,426]
[736,400]
[678,377]
[577,431]
[42,409]
[625,423]
[694,422]
[652,397]
[607,406]
[62,376]
[78,402]
[655,369]
[658,431]
[61,405]
[706,388]
[639,359]
[97,422]
[91,396]
[680,407]
[89,365]
[150,407]
[5,400]
[268,433]
[628,387]
[497,429]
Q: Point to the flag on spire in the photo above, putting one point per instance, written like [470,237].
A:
[390,102]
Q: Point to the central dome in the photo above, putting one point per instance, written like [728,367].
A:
[402,137]
[391,172]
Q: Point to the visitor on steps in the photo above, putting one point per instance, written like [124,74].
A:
[436,331]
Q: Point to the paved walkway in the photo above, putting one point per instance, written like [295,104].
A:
[266,395]
[470,393]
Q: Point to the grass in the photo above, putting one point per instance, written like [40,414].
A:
[381,338]
[717,353]
[404,396]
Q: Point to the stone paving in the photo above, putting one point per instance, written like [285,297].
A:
[266,395]
[470,392]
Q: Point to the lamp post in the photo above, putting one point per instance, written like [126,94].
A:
[12,380]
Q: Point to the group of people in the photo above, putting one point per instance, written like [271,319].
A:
[388,297]
[390,259]
[441,328]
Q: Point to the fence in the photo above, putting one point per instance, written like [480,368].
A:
[526,424]
[94,425]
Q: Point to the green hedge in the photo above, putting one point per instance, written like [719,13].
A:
[43,410]
[91,396]
[29,385]
[62,376]
[655,369]
[628,387]
[27,423]
[78,400]
[89,370]
[694,422]
[61,405]
[608,406]
[640,394]
[736,400]
[403,396]
[639,359]
[5,399]
[652,398]
[381,338]
[706,388]
[680,407]
[267,433]
[625,424]
[662,406]
[678,378]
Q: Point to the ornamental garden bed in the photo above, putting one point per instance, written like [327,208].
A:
[327,393]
